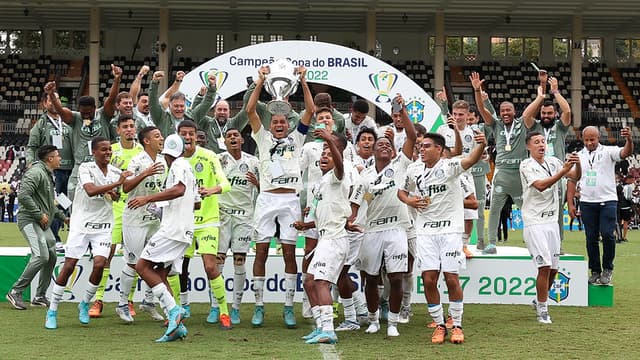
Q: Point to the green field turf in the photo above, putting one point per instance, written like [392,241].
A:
[491,331]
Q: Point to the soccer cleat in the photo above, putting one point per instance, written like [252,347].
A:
[363,319]
[392,331]
[405,315]
[150,308]
[51,321]
[175,318]
[373,328]
[225,322]
[336,310]
[40,301]
[258,316]
[96,309]
[490,250]
[438,334]
[348,326]
[132,308]
[480,244]
[123,313]
[289,317]
[214,315]
[605,277]
[187,311]
[467,253]
[323,338]
[16,300]
[312,334]
[457,336]
[534,304]
[83,312]
[180,333]
[384,309]
[594,278]
[448,324]
[235,316]
[544,318]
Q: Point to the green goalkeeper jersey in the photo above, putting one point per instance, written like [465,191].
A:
[208,172]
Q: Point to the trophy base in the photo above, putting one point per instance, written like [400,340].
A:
[277,107]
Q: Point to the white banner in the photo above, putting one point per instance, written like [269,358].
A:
[486,280]
[328,64]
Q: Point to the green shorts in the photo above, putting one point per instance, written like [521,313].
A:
[207,240]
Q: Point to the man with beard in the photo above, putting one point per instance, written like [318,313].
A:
[125,107]
[554,130]
[215,127]
[141,100]
[510,133]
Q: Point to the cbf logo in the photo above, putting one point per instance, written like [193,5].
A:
[560,288]
[221,78]
[73,279]
[383,82]
[415,109]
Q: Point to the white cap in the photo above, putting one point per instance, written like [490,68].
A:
[173,145]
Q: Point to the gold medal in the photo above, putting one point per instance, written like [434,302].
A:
[507,147]
[287,155]
[86,122]
[368,197]
[107,197]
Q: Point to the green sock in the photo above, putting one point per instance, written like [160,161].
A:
[103,283]
[217,288]
[133,287]
[174,283]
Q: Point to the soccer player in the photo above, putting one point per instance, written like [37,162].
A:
[91,223]
[439,226]
[122,152]
[37,207]
[479,171]
[236,212]
[509,133]
[540,177]
[277,203]
[165,250]
[330,209]
[211,181]
[387,220]
[138,225]
[358,119]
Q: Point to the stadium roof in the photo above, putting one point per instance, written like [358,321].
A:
[314,16]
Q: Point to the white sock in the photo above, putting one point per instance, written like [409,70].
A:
[315,310]
[465,239]
[542,307]
[164,296]
[359,302]
[374,316]
[326,318]
[435,310]
[126,280]
[349,309]
[456,310]
[239,277]
[258,288]
[91,291]
[290,286]
[407,289]
[184,298]
[392,319]
[148,294]
[56,296]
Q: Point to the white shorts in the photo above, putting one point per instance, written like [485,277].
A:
[78,244]
[235,234]
[161,250]
[470,214]
[543,242]
[388,245]
[329,259]
[284,208]
[134,239]
[441,252]
[355,242]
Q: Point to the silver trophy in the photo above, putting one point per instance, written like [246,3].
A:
[281,82]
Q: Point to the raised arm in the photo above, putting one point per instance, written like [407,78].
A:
[410,142]
[477,151]
[155,109]
[309,106]
[110,101]
[254,119]
[628,145]
[136,85]
[164,101]
[457,148]
[477,92]
[565,117]
[65,113]
[529,113]
[199,112]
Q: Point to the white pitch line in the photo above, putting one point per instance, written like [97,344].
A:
[329,352]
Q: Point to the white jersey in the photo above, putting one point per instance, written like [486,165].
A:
[355,129]
[93,214]
[240,199]
[330,205]
[539,207]
[441,184]
[467,184]
[310,161]
[279,160]
[177,217]
[140,217]
[380,190]
[466,135]
[598,181]
[399,138]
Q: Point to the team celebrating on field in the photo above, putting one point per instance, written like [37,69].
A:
[165,180]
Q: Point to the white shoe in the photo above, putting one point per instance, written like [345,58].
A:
[392,331]
[151,310]
[348,326]
[373,328]
[123,313]
[405,315]
[544,318]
